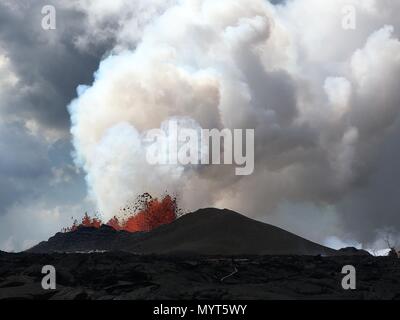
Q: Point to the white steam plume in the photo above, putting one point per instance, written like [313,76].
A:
[321,99]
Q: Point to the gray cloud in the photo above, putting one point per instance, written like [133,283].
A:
[25,161]
[39,71]
[47,63]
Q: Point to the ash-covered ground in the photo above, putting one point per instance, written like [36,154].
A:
[117,275]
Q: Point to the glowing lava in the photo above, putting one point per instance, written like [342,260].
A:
[145,214]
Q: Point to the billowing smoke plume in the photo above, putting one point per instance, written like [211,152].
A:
[322,100]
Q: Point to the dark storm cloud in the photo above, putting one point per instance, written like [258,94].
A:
[48,66]
[47,63]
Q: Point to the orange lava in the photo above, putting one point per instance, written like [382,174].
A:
[145,214]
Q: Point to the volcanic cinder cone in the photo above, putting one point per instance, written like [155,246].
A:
[206,232]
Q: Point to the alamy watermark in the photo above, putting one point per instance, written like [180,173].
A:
[349,19]
[175,144]
[49,280]
[349,280]
[49,21]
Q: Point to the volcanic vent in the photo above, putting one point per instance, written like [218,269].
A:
[145,214]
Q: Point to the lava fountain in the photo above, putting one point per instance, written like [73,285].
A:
[145,214]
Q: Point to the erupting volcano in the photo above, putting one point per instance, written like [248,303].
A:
[146,214]
[206,231]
